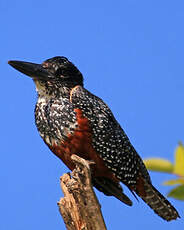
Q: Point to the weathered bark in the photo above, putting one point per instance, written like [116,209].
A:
[80,208]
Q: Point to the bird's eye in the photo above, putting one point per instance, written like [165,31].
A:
[59,72]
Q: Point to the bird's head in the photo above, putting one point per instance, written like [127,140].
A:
[52,76]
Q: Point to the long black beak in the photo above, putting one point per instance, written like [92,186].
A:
[36,71]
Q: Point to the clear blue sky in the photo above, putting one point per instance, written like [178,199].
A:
[131,54]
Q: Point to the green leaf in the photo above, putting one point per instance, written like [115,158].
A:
[177,193]
[174,182]
[158,164]
[179,160]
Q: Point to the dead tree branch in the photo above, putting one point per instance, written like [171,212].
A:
[80,208]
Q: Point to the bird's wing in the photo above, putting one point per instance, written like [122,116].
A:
[108,138]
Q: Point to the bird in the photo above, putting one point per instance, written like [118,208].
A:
[72,120]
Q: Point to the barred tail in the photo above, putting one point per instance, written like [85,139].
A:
[158,202]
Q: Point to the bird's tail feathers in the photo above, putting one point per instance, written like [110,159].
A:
[158,202]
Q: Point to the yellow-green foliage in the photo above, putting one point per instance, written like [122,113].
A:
[177,169]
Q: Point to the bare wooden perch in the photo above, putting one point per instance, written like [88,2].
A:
[80,208]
